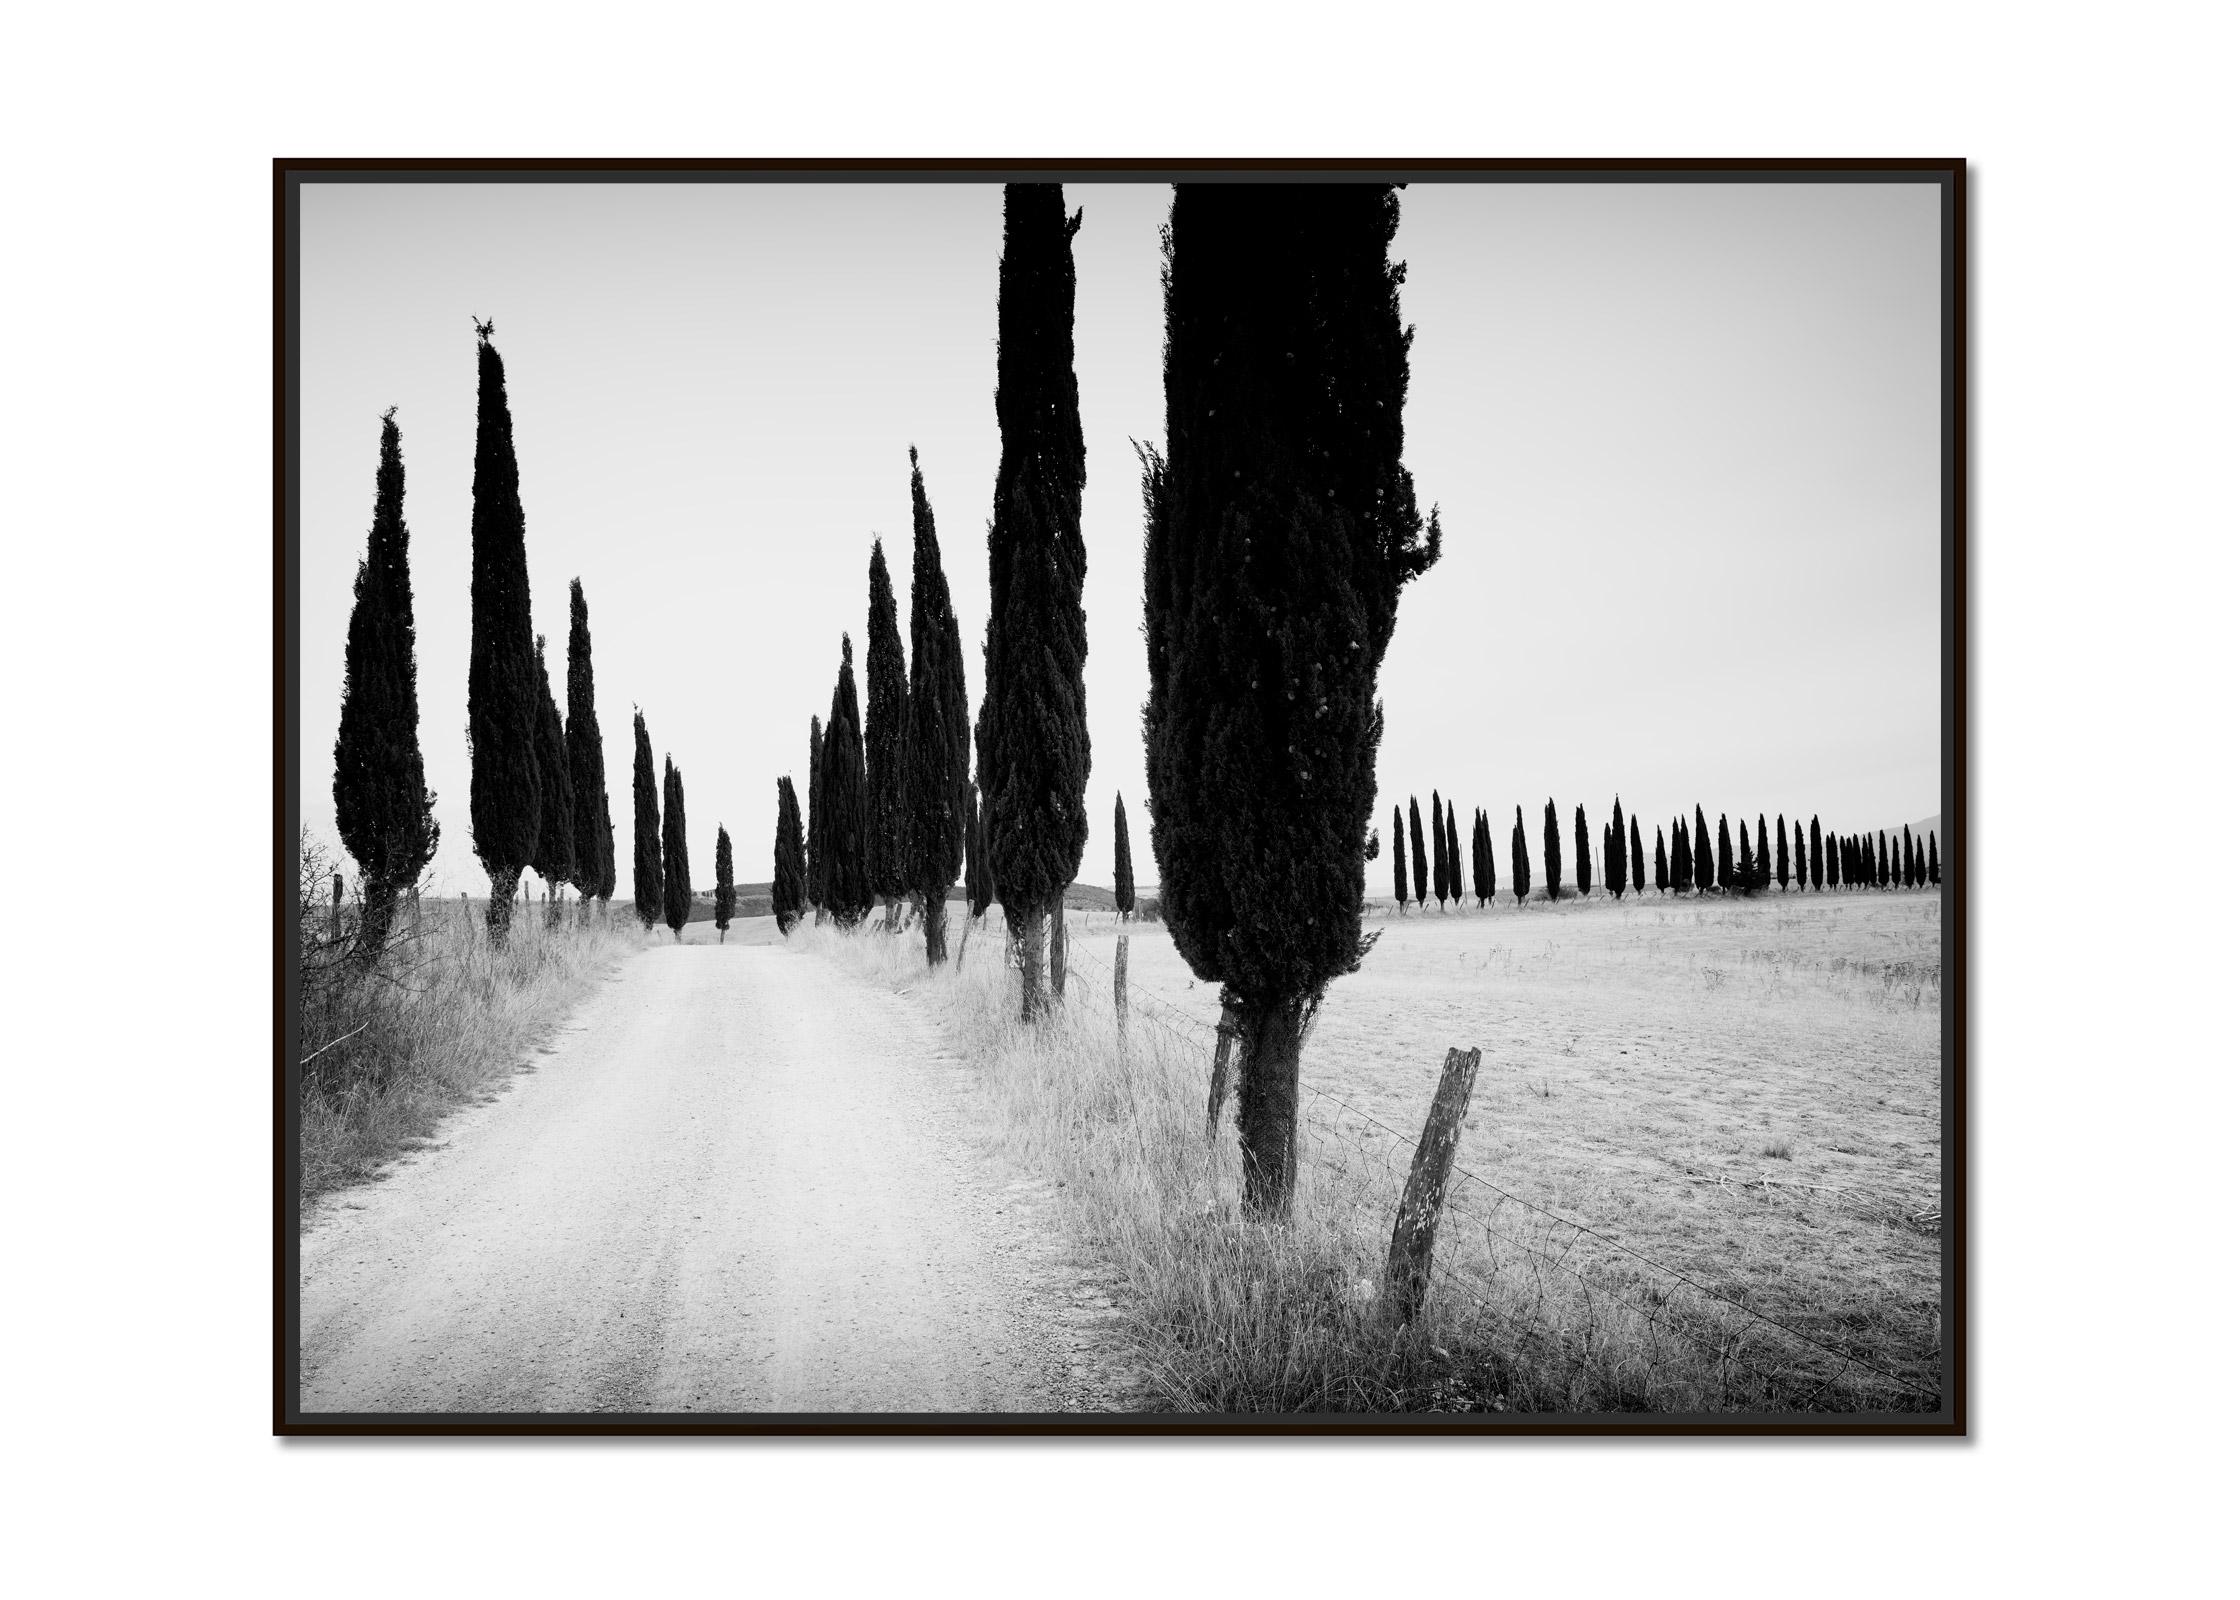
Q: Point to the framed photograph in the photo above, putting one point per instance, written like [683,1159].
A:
[871,759]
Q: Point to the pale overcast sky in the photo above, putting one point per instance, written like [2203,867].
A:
[1684,439]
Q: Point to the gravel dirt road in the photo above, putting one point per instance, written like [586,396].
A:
[738,1180]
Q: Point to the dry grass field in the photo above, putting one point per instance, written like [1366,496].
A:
[1708,1130]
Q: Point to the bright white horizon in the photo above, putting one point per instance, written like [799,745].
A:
[1684,439]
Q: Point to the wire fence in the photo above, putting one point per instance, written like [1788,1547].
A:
[1492,1231]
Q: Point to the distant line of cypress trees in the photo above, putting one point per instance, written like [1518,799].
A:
[726,891]
[645,826]
[382,806]
[676,869]
[886,726]
[505,793]
[788,870]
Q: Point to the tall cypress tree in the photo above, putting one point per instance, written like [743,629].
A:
[1399,862]
[1818,877]
[1616,871]
[1520,860]
[1580,858]
[555,857]
[788,869]
[813,844]
[1034,732]
[1415,846]
[1640,880]
[1683,858]
[1283,531]
[382,807]
[1454,860]
[1881,859]
[645,826]
[504,792]
[1664,870]
[676,867]
[847,891]
[937,757]
[1726,856]
[1762,864]
[886,725]
[1123,860]
[587,760]
[1481,846]
[1905,856]
[1551,850]
[1781,850]
[1439,871]
[1702,851]
[1936,872]
[727,894]
[1746,869]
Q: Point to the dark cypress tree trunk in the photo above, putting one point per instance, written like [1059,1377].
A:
[1726,856]
[813,843]
[555,858]
[1936,871]
[676,869]
[788,871]
[502,704]
[1551,850]
[1640,879]
[1273,568]
[1702,851]
[1818,876]
[587,760]
[1454,860]
[1399,862]
[1580,858]
[1034,732]
[937,757]
[886,722]
[1415,846]
[847,892]
[645,827]
[382,807]
[1439,873]
[726,894]
[1664,873]
[1520,860]
[1781,851]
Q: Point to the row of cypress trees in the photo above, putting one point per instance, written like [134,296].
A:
[1878,860]
[537,786]
[894,806]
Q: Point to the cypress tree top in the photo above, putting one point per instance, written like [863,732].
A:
[886,714]
[502,662]
[382,806]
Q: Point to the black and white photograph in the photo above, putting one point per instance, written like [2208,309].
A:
[1097,799]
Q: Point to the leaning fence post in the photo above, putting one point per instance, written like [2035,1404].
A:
[1224,1035]
[1407,1266]
[1120,985]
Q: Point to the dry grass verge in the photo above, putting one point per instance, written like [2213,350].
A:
[1235,1317]
[436,1023]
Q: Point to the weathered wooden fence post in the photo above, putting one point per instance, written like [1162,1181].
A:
[1407,1267]
[1058,946]
[1224,1037]
[335,922]
[1120,985]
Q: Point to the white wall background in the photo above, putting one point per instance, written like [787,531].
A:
[137,421]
